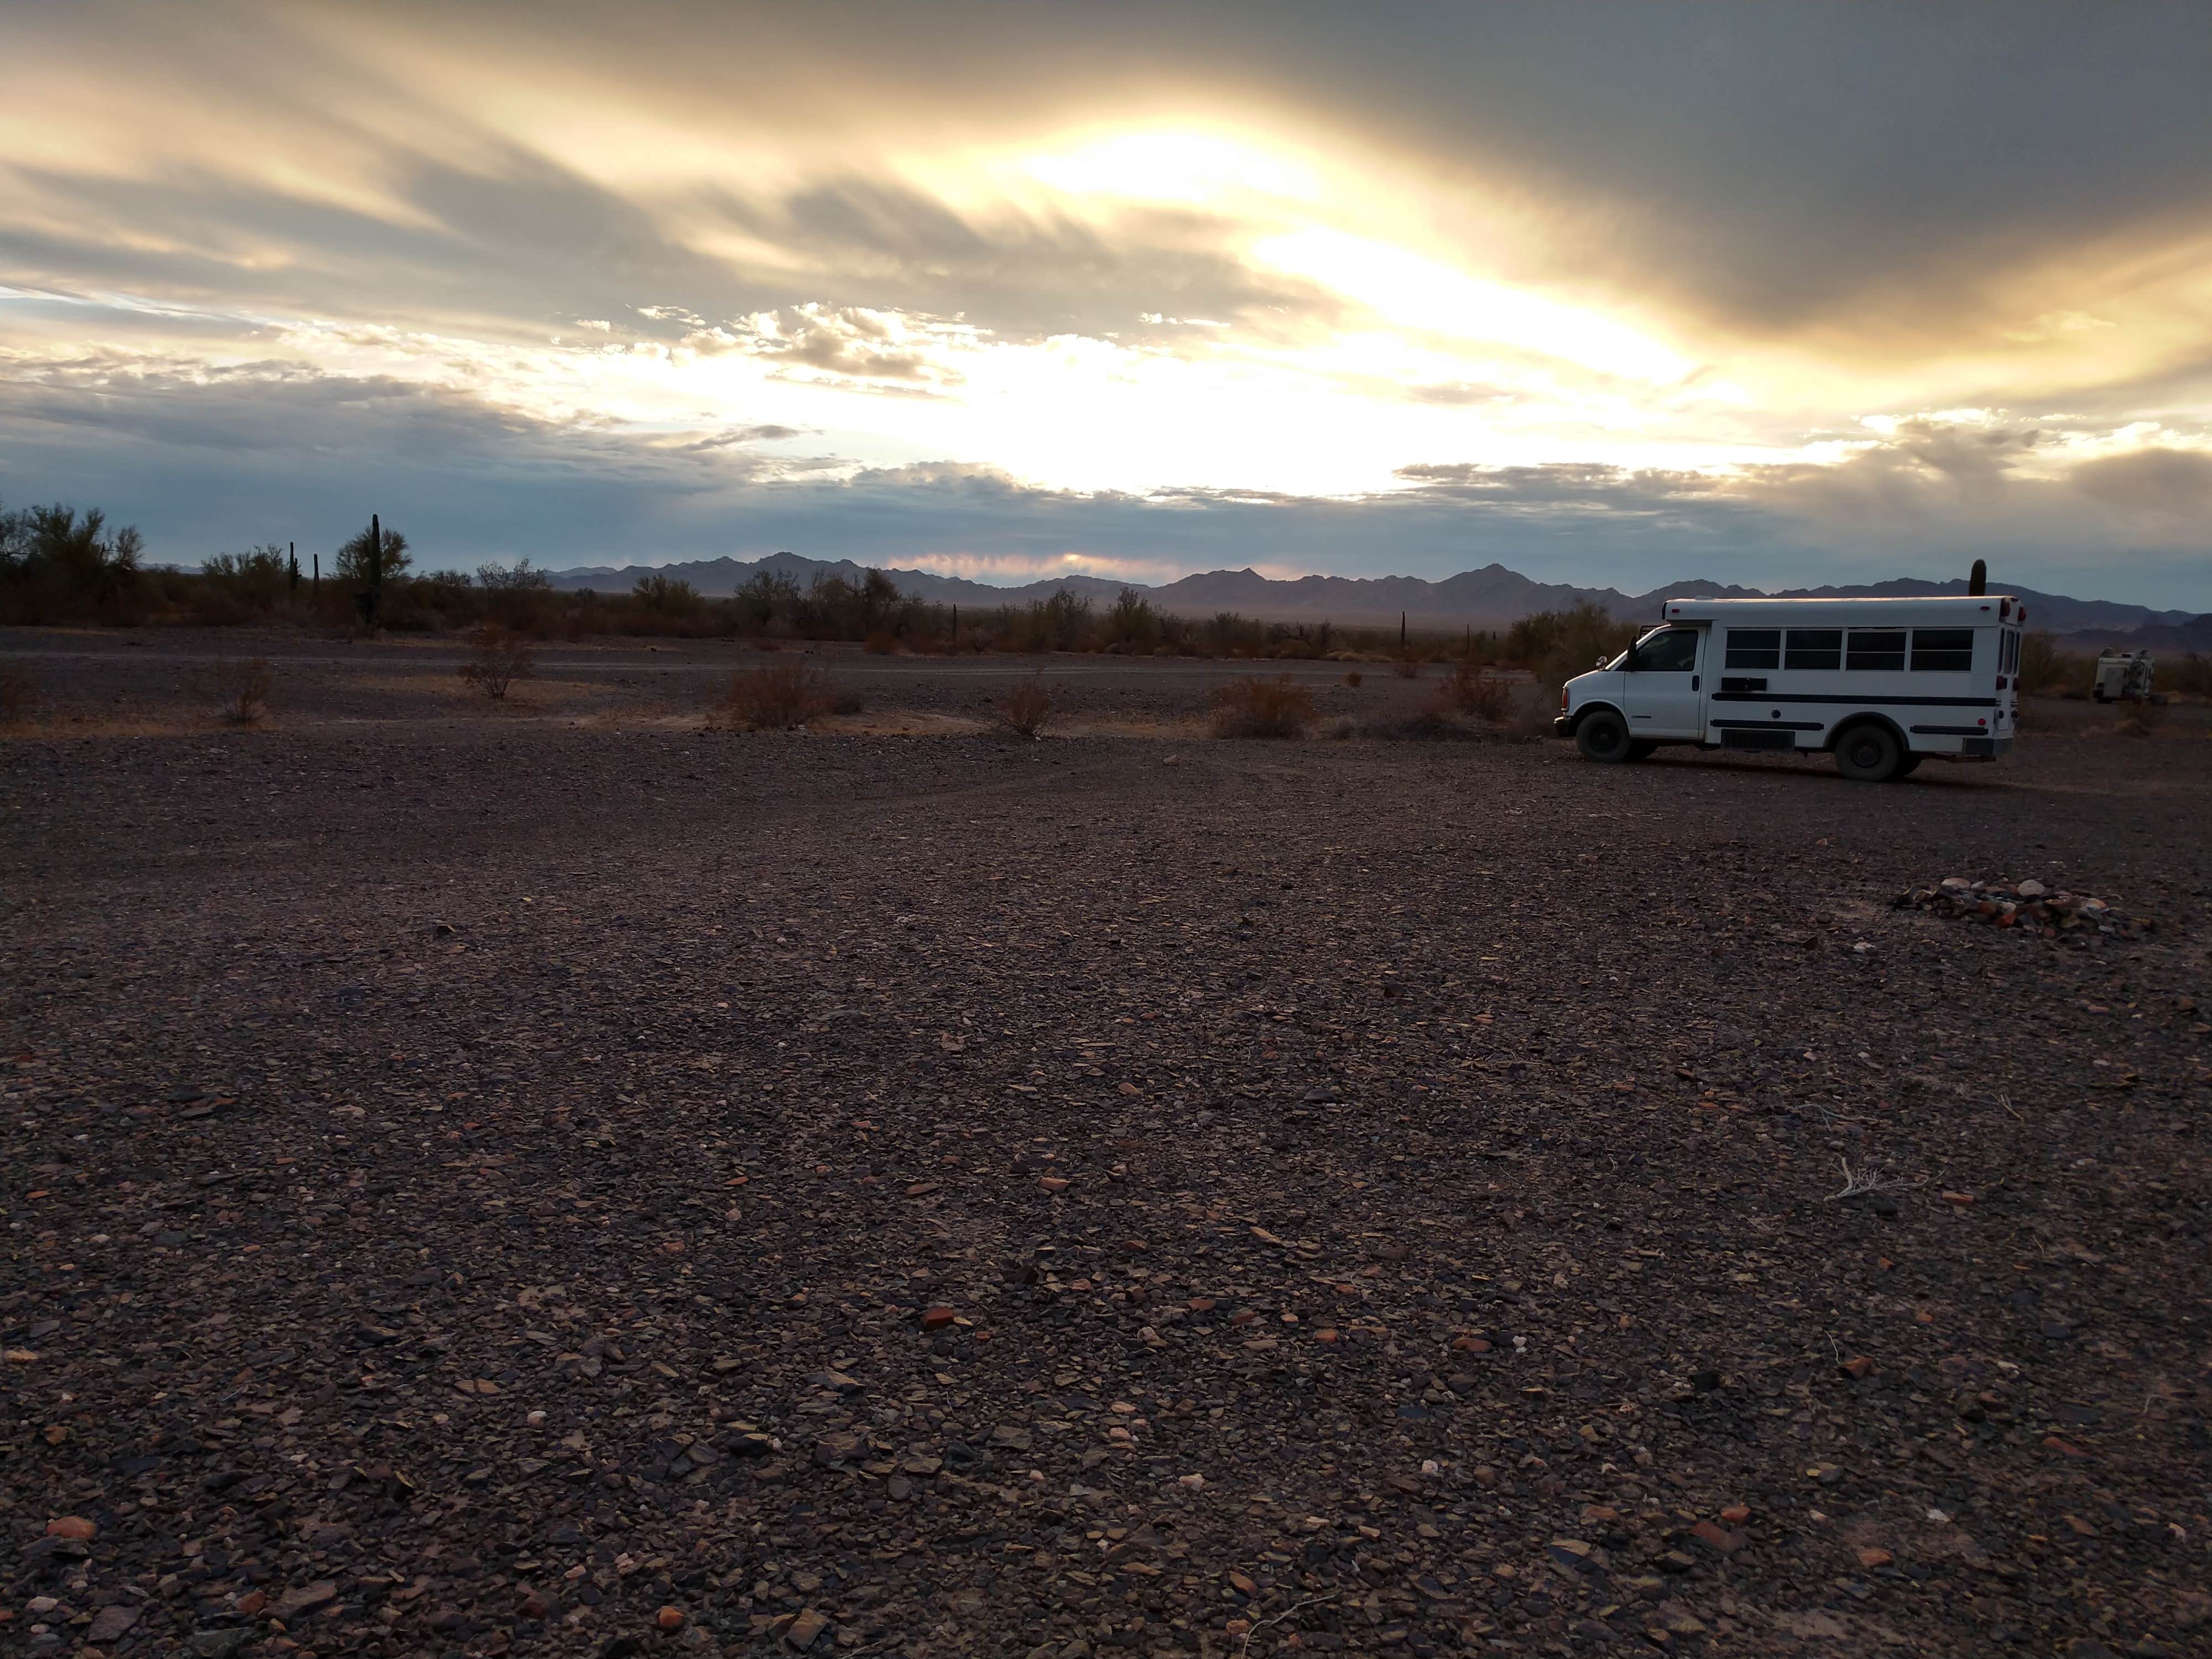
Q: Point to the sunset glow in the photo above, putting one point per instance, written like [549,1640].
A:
[1117,273]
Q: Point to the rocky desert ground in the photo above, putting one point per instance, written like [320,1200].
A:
[561,1177]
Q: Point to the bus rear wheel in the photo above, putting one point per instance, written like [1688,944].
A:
[1603,736]
[1869,754]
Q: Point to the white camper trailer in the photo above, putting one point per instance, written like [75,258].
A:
[1880,683]
[2122,676]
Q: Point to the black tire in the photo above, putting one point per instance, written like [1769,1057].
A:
[1642,749]
[1869,754]
[1908,765]
[1602,736]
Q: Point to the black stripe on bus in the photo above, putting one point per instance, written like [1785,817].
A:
[1772,726]
[1950,731]
[1865,700]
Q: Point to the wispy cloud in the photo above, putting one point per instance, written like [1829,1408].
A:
[1430,284]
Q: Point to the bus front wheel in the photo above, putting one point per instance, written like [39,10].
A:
[1603,736]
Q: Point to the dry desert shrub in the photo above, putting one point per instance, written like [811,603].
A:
[240,689]
[880,643]
[1406,668]
[498,656]
[1028,708]
[1258,708]
[1353,678]
[2142,719]
[1470,692]
[1533,714]
[781,696]
[1433,722]
[19,693]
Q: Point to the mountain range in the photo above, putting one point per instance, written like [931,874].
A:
[1491,597]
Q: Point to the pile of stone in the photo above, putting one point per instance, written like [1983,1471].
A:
[2025,904]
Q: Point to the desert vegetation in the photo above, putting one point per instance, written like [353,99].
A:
[19,693]
[239,688]
[782,696]
[499,655]
[1027,710]
[1261,707]
[59,565]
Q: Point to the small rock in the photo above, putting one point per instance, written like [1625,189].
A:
[218,1644]
[937,1319]
[1568,1552]
[1961,1200]
[670,1619]
[534,1607]
[1826,1474]
[1053,1183]
[804,1629]
[1736,1514]
[74,1526]
[1871,1558]
[1857,1367]
[111,1621]
[253,1601]
[1716,1538]
[305,1599]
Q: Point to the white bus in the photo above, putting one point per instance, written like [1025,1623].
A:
[1880,683]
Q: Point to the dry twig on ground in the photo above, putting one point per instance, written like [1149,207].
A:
[1870,1179]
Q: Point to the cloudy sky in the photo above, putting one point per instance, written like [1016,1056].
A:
[1766,293]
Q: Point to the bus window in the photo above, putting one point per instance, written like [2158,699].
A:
[1754,647]
[1876,650]
[1816,647]
[1942,650]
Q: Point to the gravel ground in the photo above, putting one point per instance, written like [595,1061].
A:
[567,1182]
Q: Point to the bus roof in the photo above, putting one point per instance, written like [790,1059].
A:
[1958,611]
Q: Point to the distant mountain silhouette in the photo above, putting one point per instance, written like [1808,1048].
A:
[1493,597]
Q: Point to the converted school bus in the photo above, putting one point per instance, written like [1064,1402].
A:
[1880,683]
